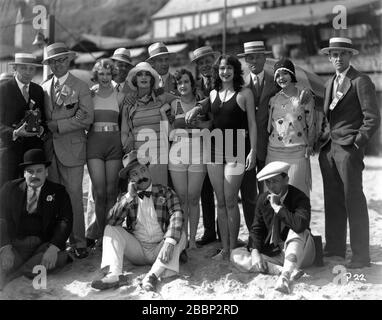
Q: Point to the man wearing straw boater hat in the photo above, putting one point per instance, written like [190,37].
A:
[69,113]
[353,117]
[123,64]
[204,58]
[19,95]
[159,58]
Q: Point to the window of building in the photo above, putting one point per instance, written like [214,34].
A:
[237,12]
[174,27]
[250,9]
[160,28]
[196,21]
[203,20]
[213,17]
[187,23]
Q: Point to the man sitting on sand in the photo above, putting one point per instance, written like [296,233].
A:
[280,234]
[154,234]
[36,220]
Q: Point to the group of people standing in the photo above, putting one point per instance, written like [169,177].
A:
[264,126]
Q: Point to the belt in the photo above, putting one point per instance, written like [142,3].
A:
[106,128]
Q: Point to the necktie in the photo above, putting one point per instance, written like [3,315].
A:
[118,87]
[144,194]
[208,84]
[336,84]
[275,235]
[57,92]
[161,82]
[257,85]
[32,203]
[25,92]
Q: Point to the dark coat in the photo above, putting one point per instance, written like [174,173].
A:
[54,205]
[356,116]
[295,215]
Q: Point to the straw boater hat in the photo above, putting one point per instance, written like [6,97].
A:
[254,47]
[340,44]
[273,169]
[130,160]
[34,156]
[55,50]
[122,54]
[203,52]
[143,66]
[158,49]
[25,58]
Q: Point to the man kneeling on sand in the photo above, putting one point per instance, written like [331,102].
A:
[280,234]
[154,234]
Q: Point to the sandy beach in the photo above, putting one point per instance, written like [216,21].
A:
[204,279]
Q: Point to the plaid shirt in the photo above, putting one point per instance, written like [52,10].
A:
[167,207]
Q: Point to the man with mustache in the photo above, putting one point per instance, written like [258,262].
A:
[154,229]
[35,221]
[353,115]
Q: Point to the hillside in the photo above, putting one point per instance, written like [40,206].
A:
[118,18]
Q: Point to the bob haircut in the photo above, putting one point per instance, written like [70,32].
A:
[238,80]
[107,64]
[178,75]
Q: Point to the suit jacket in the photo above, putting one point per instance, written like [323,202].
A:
[356,116]
[53,203]
[269,89]
[167,207]
[201,90]
[295,215]
[12,111]
[69,143]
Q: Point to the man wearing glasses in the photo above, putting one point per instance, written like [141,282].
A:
[69,112]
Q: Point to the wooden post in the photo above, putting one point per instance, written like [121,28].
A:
[224,27]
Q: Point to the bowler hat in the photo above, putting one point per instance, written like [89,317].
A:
[55,50]
[158,49]
[340,43]
[254,47]
[130,160]
[202,52]
[25,58]
[34,156]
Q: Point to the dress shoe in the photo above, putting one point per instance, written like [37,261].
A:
[357,264]
[110,282]
[205,240]
[80,253]
[183,257]
[149,282]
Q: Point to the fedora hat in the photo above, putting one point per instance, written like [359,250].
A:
[340,43]
[34,156]
[157,49]
[25,58]
[273,169]
[143,66]
[122,54]
[55,50]
[130,160]
[203,52]
[254,47]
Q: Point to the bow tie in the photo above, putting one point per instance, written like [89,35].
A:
[144,194]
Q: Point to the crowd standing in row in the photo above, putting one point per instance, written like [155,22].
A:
[146,206]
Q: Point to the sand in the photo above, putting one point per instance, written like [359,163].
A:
[204,279]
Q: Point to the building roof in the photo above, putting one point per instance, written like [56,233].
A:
[183,7]
[105,43]
[303,14]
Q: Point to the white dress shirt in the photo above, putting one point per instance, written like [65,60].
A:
[60,80]
[260,76]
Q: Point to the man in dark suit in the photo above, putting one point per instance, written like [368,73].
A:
[18,95]
[280,234]
[263,87]
[35,220]
[204,58]
[353,116]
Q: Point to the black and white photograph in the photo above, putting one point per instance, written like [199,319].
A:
[190,150]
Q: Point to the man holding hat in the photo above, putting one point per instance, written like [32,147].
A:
[280,234]
[69,113]
[154,224]
[159,58]
[19,95]
[352,111]
[123,64]
[35,221]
